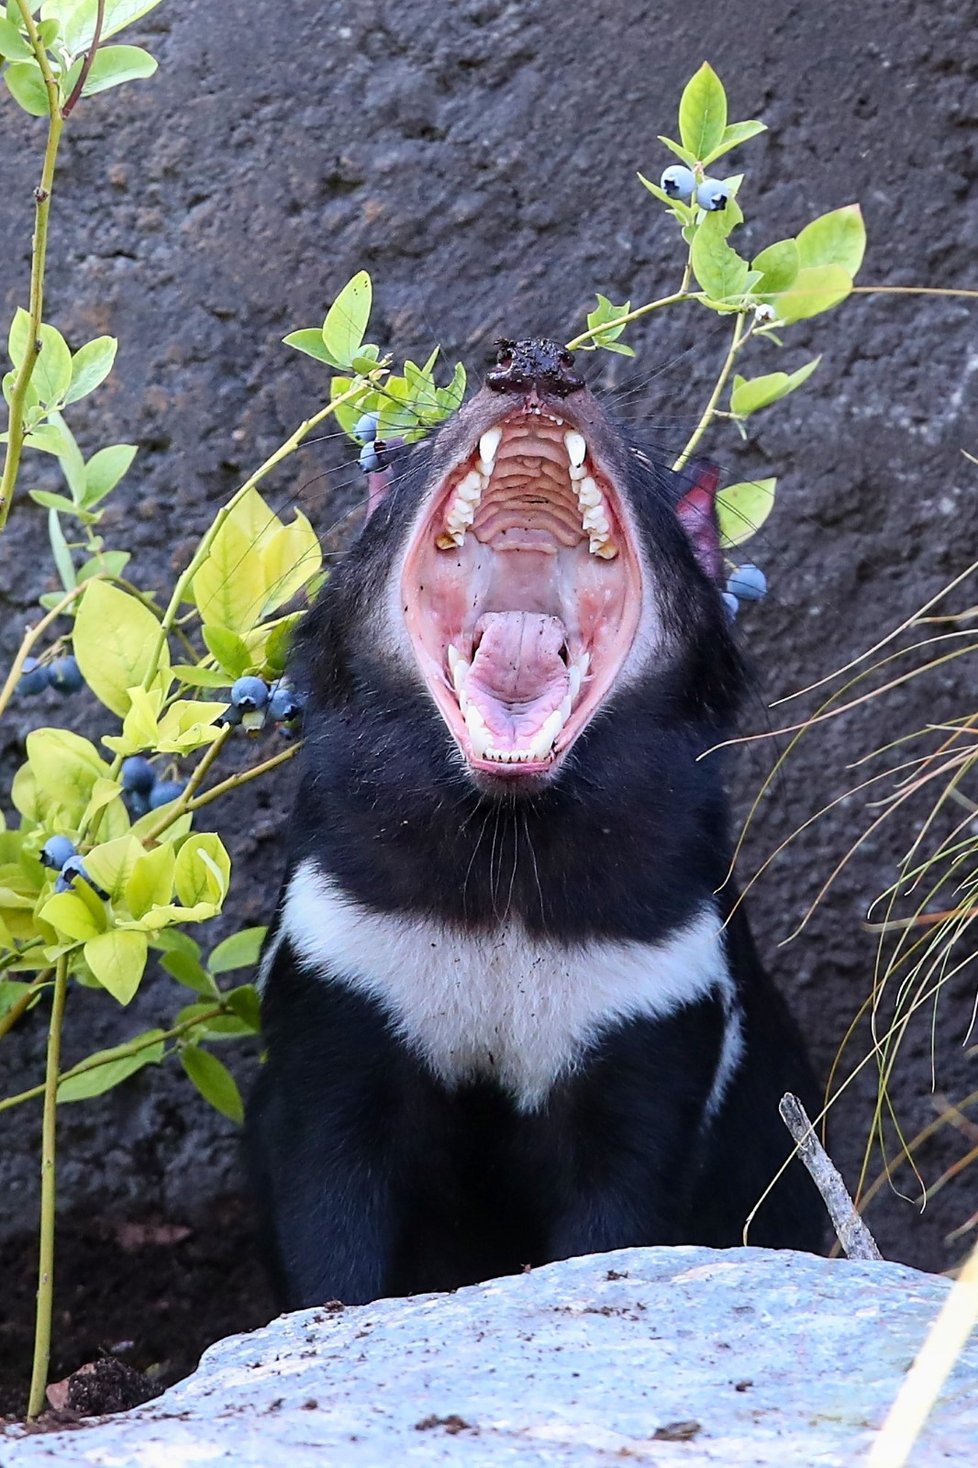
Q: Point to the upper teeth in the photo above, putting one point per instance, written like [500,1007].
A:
[595,519]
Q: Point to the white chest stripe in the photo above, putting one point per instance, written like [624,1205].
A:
[504,1004]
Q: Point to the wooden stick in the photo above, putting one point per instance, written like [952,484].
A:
[854,1236]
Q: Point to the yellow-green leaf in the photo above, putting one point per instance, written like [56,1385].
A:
[188,725]
[140,724]
[749,395]
[150,882]
[65,768]
[113,863]
[117,959]
[816,288]
[78,914]
[203,870]
[703,112]
[743,508]
[837,238]
[115,641]
[346,320]
[292,557]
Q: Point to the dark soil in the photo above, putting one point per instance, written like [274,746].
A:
[140,1295]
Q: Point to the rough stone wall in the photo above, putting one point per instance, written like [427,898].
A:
[479,159]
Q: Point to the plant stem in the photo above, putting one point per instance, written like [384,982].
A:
[118,1052]
[706,417]
[214,793]
[79,86]
[45,1277]
[42,206]
[623,320]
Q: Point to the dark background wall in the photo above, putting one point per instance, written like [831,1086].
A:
[479,159]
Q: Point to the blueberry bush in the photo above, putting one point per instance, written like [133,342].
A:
[105,857]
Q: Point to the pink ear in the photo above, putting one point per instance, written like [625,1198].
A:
[379,482]
[697,513]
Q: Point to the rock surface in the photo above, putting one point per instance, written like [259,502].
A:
[684,1355]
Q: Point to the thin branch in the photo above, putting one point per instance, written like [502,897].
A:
[79,86]
[853,1235]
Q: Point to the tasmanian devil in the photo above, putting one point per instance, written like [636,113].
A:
[510,1016]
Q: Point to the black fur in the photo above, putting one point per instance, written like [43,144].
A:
[374,1177]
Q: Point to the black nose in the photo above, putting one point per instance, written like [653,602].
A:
[524,366]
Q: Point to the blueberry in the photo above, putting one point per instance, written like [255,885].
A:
[65,675]
[34,678]
[164,791]
[731,603]
[138,774]
[74,867]
[249,693]
[366,427]
[369,461]
[284,703]
[678,182]
[137,803]
[712,195]
[749,583]
[56,851]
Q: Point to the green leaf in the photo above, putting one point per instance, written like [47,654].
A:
[815,289]
[113,1066]
[191,973]
[26,85]
[838,238]
[13,46]
[117,959]
[52,370]
[11,992]
[247,1006]
[241,950]
[346,320]
[104,563]
[53,501]
[680,152]
[230,650]
[60,552]
[310,341]
[759,392]
[112,66]
[104,470]
[720,271]
[743,508]
[778,265]
[73,915]
[19,336]
[703,112]
[733,134]
[115,641]
[43,436]
[90,366]
[214,1081]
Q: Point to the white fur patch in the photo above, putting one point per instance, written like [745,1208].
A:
[503,1004]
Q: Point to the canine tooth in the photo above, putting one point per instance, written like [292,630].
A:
[576,448]
[488,444]
[588,492]
[478,730]
[549,730]
[565,708]
[574,677]
[454,658]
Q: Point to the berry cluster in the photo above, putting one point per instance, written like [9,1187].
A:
[366,432]
[142,790]
[254,703]
[745,583]
[63,675]
[680,183]
[61,855]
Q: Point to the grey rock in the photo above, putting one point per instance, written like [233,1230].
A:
[694,1356]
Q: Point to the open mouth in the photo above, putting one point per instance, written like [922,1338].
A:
[522,592]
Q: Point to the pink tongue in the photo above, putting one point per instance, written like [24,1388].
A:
[518,676]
